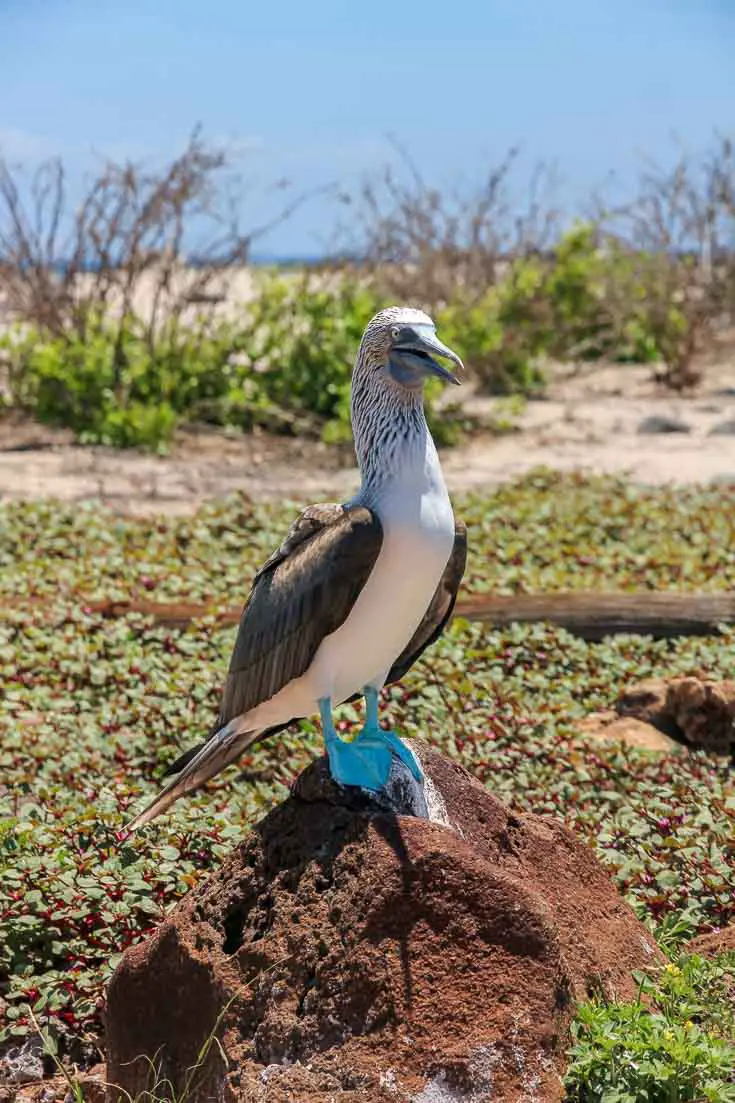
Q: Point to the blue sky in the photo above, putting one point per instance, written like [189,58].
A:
[310,89]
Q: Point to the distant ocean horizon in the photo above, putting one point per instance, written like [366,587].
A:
[286,260]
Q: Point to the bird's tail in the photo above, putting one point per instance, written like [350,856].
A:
[223,748]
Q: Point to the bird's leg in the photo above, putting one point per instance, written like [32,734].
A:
[363,763]
[372,735]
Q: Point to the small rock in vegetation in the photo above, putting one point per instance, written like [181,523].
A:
[704,711]
[699,711]
[647,701]
[608,727]
[22,1064]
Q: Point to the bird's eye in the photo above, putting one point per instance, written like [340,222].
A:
[395,333]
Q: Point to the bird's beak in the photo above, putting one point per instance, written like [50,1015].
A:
[416,349]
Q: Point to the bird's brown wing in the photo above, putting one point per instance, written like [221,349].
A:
[440,608]
[304,592]
[308,523]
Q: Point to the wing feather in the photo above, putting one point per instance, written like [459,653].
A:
[304,593]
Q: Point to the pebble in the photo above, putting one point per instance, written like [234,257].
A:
[723,429]
[661,423]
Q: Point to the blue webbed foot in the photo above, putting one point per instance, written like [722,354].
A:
[373,731]
[365,763]
[400,750]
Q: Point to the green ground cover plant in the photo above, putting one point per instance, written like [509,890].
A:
[672,1044]
[93,709]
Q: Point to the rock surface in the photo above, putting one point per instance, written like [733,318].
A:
[646,701]
[609,727]
[663,423]
[713,943]
[699,711]
[723,429]
[22,1063]
[704,712]
[344,953]
[88,1086]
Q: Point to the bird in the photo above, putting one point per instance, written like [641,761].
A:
[357,590]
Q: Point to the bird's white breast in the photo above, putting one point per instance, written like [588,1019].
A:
[418,537]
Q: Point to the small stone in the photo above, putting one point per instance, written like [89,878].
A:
[608,727]
[723,429]
[662,423]
[698,711]
[23,1064]
[647,701]
[704,711]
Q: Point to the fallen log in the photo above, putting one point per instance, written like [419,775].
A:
[591,616]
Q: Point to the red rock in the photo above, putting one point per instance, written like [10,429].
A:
[697,710]
[345,955]
[704,711]
[646,701]
[609,727]
[713,943]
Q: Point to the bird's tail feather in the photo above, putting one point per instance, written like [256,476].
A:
[218,752]
[185,758]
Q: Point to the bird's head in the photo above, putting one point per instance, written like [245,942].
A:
[398,351]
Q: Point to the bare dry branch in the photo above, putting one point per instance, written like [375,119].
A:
[421,245]
[125,249]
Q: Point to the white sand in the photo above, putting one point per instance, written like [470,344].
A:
[588,422]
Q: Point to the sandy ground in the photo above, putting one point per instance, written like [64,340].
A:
[593,420]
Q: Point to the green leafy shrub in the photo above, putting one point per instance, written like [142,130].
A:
[301,347]
[496,336]
[592,297]
[630,304]
[285,364]
[581,302]
[113,386]
[654,300]
[673,1044]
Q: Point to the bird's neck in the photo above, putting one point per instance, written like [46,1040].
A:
[395,453]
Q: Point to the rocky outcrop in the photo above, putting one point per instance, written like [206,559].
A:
[699,711]
[646,701]
[704,712]
[346,953]
[87,1086]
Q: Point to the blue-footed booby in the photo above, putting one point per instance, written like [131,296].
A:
[357,590]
